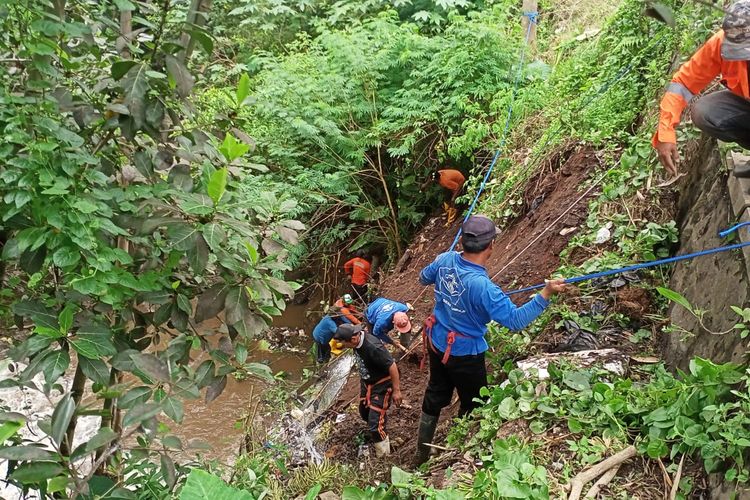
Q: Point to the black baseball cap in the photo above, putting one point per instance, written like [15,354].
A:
[347,331]
[736,25]
[479,229]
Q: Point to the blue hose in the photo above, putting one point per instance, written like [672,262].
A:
[653,263]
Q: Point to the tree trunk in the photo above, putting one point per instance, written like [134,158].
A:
[76,391]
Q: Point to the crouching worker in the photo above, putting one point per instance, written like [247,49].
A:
[465,301]
[379,381]
[384,315]
[323,333]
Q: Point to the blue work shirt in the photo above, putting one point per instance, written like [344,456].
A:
[380,315]
[466,300]
[325,329]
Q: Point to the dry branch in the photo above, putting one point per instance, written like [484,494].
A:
[578,482]
[602,482]
[676,481]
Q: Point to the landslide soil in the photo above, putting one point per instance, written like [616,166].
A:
[548,194]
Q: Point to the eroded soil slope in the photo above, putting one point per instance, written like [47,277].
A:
[548,195]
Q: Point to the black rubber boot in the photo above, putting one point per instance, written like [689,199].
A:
[427,425]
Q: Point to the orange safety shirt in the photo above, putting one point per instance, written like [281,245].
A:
[359,269]
[451,179]
[347,311]
[692,78]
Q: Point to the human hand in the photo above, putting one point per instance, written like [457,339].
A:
[552,287]
[668,156]
[397,398]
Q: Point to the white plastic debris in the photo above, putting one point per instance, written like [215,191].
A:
[611,360]
[603,234]
[566,231]
[340,417]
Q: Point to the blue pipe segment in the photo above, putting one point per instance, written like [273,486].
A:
[653,263]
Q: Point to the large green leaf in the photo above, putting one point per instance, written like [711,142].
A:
[182,78]
[214,235]
[61,417]
[135,85]
[173,408]
[674,297]
[94,341]
[41,315]
[54,364]
[100,439]
[27,453]
[217,185]
[139,413]
[202,485]
[156,369]
[36,472]
[94,369]
[243,89]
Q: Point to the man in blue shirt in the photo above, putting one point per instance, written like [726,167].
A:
[324,330]
[465,301]
[383,315]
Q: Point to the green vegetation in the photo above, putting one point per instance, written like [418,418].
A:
[157,160]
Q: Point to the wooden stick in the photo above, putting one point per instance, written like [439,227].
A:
[578,482]
[437,447]
[602,482]
[676,481]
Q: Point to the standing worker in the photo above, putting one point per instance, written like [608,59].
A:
[384,315]
[724,114]
[358,269]
[465,301]
[379,381]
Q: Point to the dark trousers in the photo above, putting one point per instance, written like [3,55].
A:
[360,293]
[725,116]
[323,352]
[465,374]
[373,408]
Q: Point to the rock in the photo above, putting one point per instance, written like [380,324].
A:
[566,231]
[328,495]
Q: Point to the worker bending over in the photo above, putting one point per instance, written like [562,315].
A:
[724,114]
[465,301]
[453,181]
[342,312]
[345,307]
[379,381]
[358,270]
[384,315]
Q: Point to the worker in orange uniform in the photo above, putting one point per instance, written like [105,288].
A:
[345,308]
[724,114]
[453,181]
[358,269]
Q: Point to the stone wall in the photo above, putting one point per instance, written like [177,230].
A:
[712,283]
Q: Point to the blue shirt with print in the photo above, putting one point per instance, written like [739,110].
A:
[466,300]
[380,315]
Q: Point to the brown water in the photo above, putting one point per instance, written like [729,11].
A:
[216,423]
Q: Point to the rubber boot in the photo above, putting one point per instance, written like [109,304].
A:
[382,448]
[427,425]
[452,212]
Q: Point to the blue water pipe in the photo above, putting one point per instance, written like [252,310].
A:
[653,263]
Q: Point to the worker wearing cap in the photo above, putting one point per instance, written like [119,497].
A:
[345,307]
[465,301]
[379,381]
[724,114]
[358,270]
[384,315]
